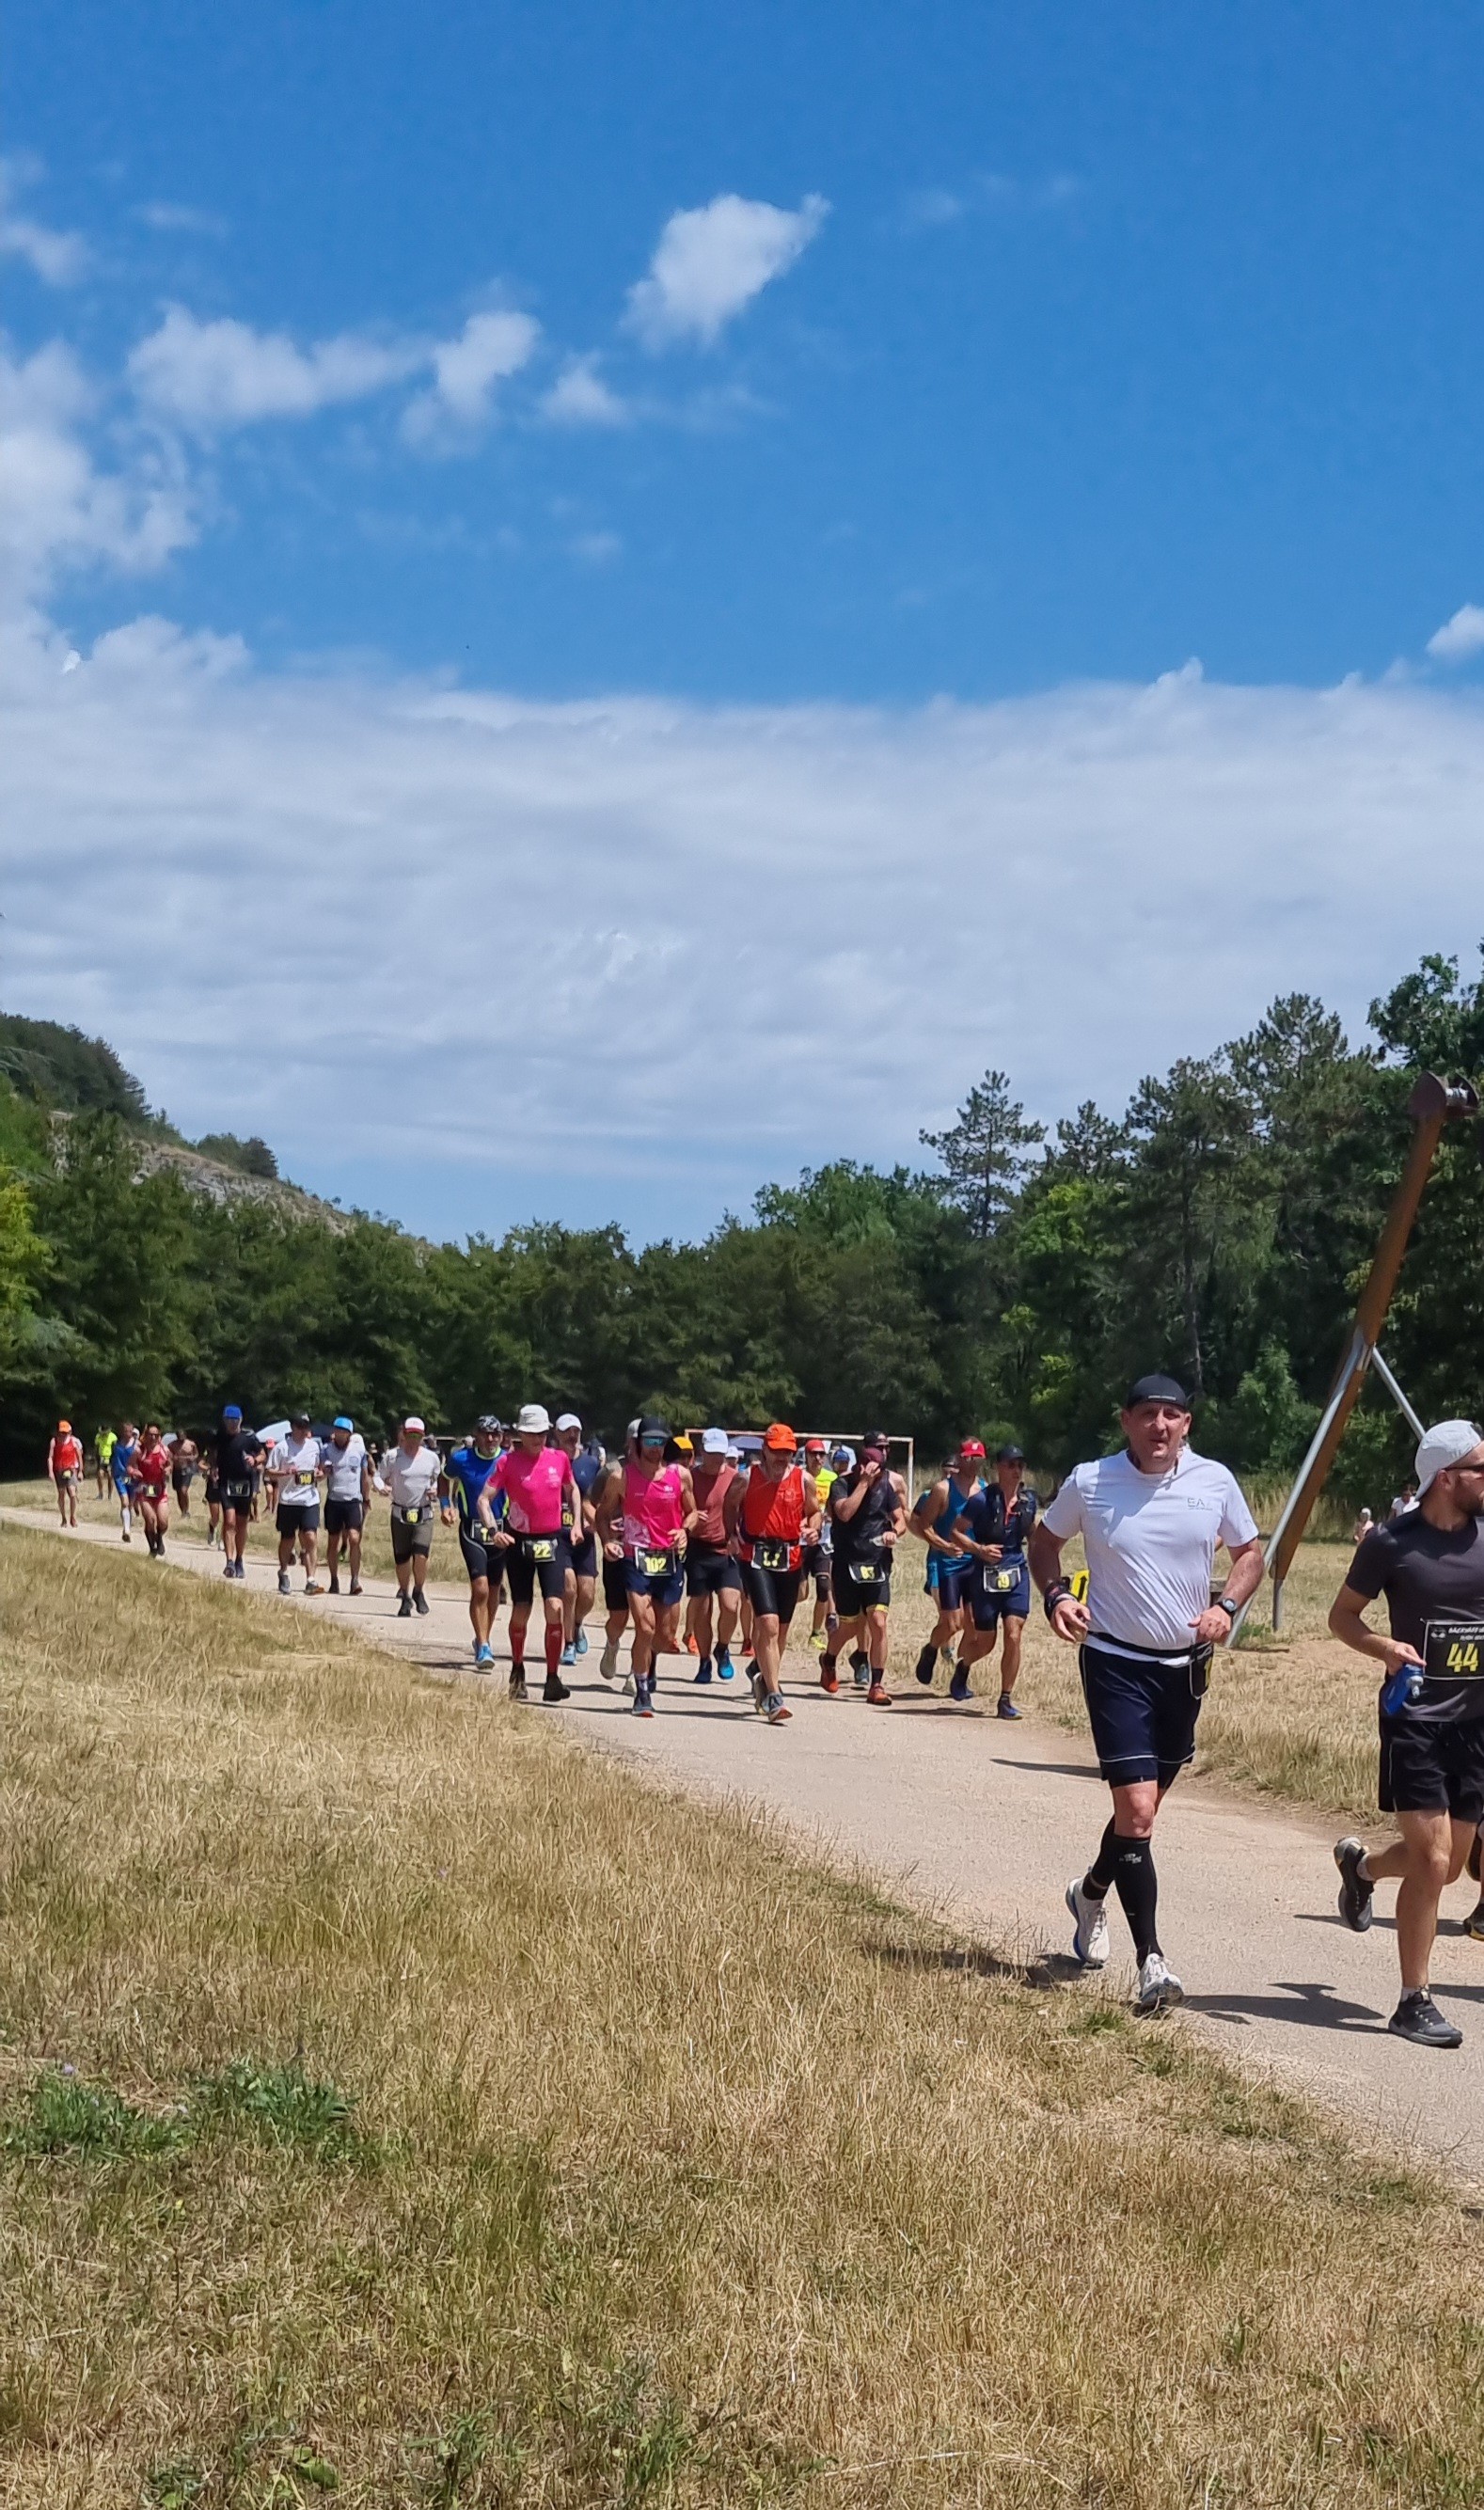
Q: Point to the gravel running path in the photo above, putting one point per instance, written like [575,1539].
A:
[984,1823]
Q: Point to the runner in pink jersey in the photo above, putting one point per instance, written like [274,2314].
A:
[537,1483]
[646,1517]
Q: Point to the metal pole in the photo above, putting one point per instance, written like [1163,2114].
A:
[1398,1396]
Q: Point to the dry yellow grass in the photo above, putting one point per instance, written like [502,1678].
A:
[668,2171]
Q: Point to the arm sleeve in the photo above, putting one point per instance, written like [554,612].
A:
[1237,1523]
[1368,1572]
[1064,1516]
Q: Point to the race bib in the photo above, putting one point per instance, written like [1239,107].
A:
[657,1564]
[542,1547]
[412,1515]
[867,1573]
[1001,1582]
[306,1481]
[771,1556]
[236,1492]
[1454,1648]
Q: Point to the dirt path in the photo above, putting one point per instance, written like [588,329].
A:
[985,1821]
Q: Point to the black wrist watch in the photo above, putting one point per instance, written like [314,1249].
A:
[1226,1605]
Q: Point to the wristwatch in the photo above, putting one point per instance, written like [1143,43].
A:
[1225,1604]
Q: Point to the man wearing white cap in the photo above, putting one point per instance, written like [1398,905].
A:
[408,1477]
[540,1493]
[712,1572]
[582,1569]
[1430,1566]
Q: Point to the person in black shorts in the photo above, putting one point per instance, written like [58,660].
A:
[992,1531]
[713,1577]
[773,1517]
[868,1515]
[1430,1566]
[465,1474]
[238,1460]
[582,1539]
[611,1556]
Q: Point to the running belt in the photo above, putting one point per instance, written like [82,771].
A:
[1143,1654]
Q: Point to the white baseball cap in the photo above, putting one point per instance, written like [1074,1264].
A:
[530,1418]
[414,1423]
[567,1420]
[1448,1443]
[632,1430]
[713,1442]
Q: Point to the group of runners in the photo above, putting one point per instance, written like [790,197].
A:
[738,1539]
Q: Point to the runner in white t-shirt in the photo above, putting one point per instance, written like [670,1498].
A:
[347,1499]
[409,1476]
[1152,1519]
[293,1469]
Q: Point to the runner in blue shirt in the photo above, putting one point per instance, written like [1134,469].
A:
[120,1465]
[463,1477]
[993,1530]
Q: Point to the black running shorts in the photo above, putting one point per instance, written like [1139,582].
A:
[711,1570]
[1142,1713]
[773,1590]
[1430,1767]
[344,1515]
[854,1594]
[290,1521]
[524,1571]
[615,1585]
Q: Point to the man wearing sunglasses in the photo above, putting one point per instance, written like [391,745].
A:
[1430,1566]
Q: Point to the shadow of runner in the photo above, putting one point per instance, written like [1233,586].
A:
[975,1960]
[1301,2000]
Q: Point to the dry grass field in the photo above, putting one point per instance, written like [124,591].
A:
[401,2102]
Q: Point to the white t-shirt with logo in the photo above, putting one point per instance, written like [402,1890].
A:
[344,1465]
[1150,1541]
[410,1479]
[297,1467]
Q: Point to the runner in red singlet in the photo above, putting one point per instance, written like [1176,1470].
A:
[64,1464]
[655,1503]
[772,1517]
[151,1474]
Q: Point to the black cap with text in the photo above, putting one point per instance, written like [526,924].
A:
[1157,1389]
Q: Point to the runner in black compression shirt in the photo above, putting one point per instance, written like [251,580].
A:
[868,1513]
[1429,1562]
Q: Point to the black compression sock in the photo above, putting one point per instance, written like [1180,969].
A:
[1139,1890]
[1097,1881]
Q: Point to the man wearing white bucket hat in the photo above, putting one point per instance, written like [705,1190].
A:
[541,1495]
[1430,1566]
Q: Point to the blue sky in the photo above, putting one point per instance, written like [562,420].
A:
[837,404]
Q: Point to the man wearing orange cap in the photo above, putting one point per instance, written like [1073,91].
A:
[772,1517]
[64,1464]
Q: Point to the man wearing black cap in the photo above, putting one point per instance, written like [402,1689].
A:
[868,1511]
[1152,1519]
[992,1534]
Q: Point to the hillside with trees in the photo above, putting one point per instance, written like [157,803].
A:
[1219,1225]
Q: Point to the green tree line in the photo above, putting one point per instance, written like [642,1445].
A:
[1220,1227]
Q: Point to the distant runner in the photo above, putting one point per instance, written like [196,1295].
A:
[65,1464]
[185,1461]
[936,1520]
[294,1468]
[466,1475]
[537,1484]
[818,1555]
[149,1475]
[1152,1518]
[712,1576]
[346,1497]
[1429,1562]
[238,1455]
[868,1511]
[655,1505]
[772,1517]
[994,1530]
[103,1446]
[409,1477]
[120,1472]
[582,1569]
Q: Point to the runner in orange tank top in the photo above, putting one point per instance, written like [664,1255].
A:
[772,1517]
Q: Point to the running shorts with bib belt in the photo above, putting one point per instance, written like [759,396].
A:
[538,1559]
[710,1569]
[769,1528]
[654,1514]
[997,1590]
[1142,1705]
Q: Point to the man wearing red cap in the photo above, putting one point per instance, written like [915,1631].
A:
[773,1517]
[64,1464]
[936,1519]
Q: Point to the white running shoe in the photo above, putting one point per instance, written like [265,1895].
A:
[1089,1927]
[1159,1988]
[608,1662]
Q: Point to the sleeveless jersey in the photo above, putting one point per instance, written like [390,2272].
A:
[773,1512]
[711,1498]
[654,1508]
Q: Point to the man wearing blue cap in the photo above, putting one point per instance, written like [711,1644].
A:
[239,1456]
[347,1496]
[1152,1518]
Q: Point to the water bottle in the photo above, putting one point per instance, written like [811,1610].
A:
[1401,1688]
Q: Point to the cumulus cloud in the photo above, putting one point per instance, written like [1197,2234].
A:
[1459,637]
[1135,872]
[211,375]
[580,398]
[466,370]
[58,506]
[57,257]
[709,264]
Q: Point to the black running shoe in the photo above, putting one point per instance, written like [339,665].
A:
[404,1609]
[1355,1891]
[1418,2018]
[926,1664]
[555,1689]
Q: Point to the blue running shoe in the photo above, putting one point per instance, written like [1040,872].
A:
[581,1642]
[569,1655]
[703,1672]
[958,1690]
[1006,1707]
[643,1705]
[725,1668]
[484,1657]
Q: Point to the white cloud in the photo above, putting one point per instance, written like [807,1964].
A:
[709,264]
[580,398]
[466,372]
[1096,881]
[56,506]
[1459,637]
[176,217]
[57,257]
[220,374]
